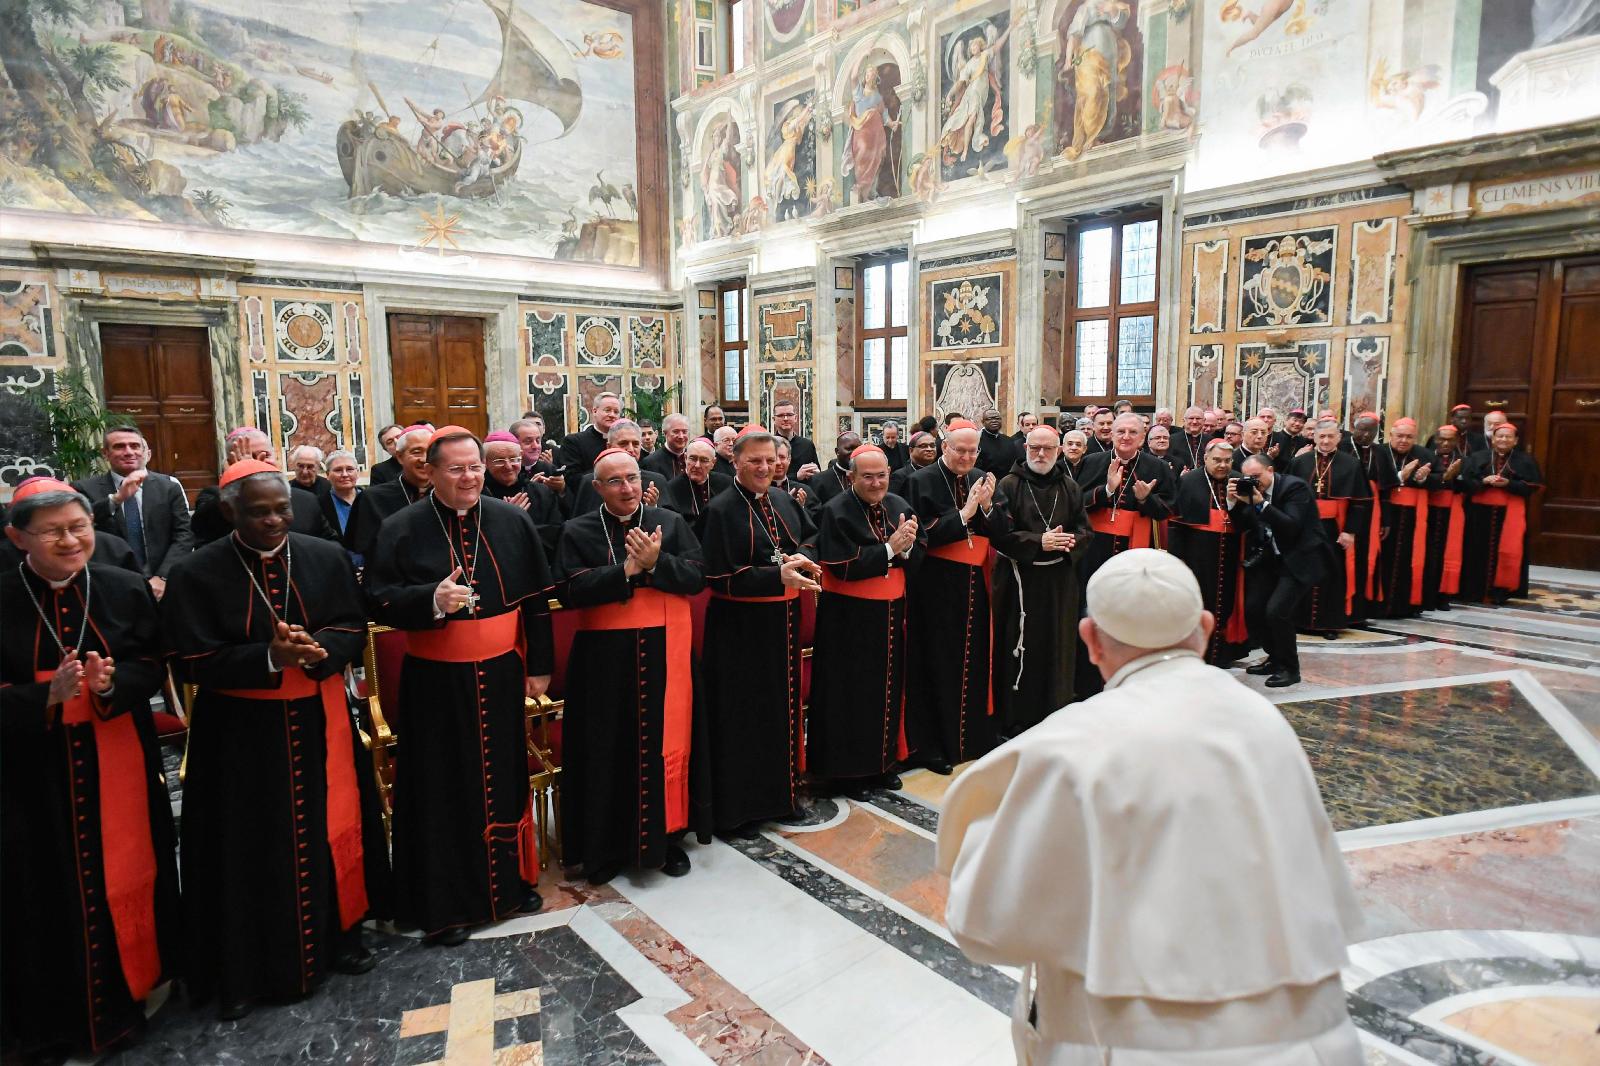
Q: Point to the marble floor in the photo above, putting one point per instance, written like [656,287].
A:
[1459,757]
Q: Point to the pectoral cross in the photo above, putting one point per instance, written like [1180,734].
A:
[777,557]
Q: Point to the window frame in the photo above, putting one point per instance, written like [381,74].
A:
[728,33]
[742,345]
[1112,312]
[886,333]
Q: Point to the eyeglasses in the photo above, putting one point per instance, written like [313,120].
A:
[465,471]
[57,534]
[511,460]
[618,482]
[697,460]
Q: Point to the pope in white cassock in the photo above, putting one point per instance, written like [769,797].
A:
[1157,858]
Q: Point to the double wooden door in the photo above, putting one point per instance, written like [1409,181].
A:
[437,365]
[161,377]
[1530,346]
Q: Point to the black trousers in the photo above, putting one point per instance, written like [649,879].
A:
[1272,598]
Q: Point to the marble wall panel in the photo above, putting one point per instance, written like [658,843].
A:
[998,275]
[1205,375]
[1286,279]
[1055,335]
[783,328]
[1282,378]
[1366,378]
[966,386]
[25,318]
[1372,257]
[790,383]
[1208,286]
[710,365]
[592,385]
[844,309]
[309,411]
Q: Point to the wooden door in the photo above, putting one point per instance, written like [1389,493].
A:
[437,365]
[1530,346]
[161,376]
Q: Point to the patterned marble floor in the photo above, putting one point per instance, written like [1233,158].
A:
[1458,754]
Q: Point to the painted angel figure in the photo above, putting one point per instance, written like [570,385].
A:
[781,183]
[976,109]
[719,181]
[1095,56]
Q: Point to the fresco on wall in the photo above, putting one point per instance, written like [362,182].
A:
[975,102]
[1099,61]
[784,24]
[789,182]
[721,181]
[874,124]
[488,125]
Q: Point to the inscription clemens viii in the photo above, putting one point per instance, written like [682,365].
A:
[1537,194]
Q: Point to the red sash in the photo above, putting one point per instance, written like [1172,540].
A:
[339,761]
[1417,500]
[476,640]
[1450,575]
[127,850]
[1338,511]
[891,586]
[1123,523]
[1374,539]
[973,551]
[1234,630]
[654,609]
[1508,561]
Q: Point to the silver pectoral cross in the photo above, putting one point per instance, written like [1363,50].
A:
[777,557]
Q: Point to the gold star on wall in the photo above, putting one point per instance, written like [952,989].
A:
[439,229]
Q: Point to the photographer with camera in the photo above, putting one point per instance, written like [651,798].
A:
[1286,552]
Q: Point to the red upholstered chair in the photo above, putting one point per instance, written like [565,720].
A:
[385,652]
[808,619]
[172,721]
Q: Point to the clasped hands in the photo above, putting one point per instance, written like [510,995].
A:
[799,572]
[980,495]
[904,535]
[293,646]
[643,550]
[95,670]
[1057,540]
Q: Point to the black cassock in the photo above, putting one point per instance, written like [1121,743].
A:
[89,907]
[462,824]
[855,725]
[1377,466]
[1202,535]
[1493,563]
[1447,523]
[1123,521]
[544,506]
[1403,553]
[1036,594]
[1344,503]
[832,480]
[751,665]
[628,720]
[1188,452]
[372,508]
[950,694]
[283,844]
[692,500]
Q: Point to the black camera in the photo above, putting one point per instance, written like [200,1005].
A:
[1247,486]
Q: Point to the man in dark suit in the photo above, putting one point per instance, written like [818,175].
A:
[209,524]
[627,436]
[145,508]
[803,461]
[578,450]
[668,460]
[305,462]
[997,453]
[389,469]
[1292,553]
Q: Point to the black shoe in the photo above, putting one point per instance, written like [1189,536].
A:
[449,938]
[677,863]
[601,874]
[891,782]
[1283,679]
[749,831]
[354,959]
[1266,666]
[1442,605]
[532,902]
[231,1010]
[1330,634]
[939,766]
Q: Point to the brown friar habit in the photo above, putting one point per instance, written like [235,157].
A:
[1484,575]
[280,853]
[1344,502]
[89,907]
[1036,596]
[1123,522]
[1402,555]
[751,665]
[856,724]
[463,824]
[629,697]
[1211,545]
[1377,466]
[950,694]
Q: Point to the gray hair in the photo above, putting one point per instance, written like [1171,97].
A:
[21,514]
[723,429]
[342,453]
[890,424]
[621,425]
[129,427]
[602,398]
[312,448]
[673,419]
[1217,442]
[741,443]
[525,423]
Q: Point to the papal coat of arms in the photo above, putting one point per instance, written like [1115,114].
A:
[968,312]
[1287,280]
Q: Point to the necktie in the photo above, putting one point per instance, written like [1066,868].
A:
[133,522]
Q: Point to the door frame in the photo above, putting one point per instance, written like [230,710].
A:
[220,321]
[503,361]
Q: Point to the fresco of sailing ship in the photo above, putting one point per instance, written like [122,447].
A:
[476,154]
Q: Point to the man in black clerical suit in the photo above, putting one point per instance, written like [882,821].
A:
[997,453]
[579,449]
[624,435]
[375,505]
[630,569]
[208,523]
[924,449]
[283,848]
[389,468]
[1497,484]
[142,507]
[306,463]
[803,461]
[691,492]
[894,449]
[1291,554]
[668,459]
[506,479]
[835,480]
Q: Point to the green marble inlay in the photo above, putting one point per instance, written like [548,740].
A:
[1394,757]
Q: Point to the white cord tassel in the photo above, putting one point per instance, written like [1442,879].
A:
[1020,651]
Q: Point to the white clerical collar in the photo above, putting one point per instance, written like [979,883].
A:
[265,555]
[55,586]
[1144,662]
[624,518]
